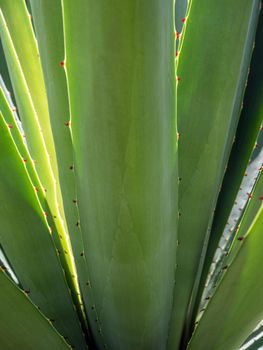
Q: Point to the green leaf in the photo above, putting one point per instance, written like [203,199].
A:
[37,139]
[237,302]
[213,65]
[28,244]
[49,32]
[22,326]
[121,76]
[247,134]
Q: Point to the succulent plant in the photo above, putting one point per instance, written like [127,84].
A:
[131,174]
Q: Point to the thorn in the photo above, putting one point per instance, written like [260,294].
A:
[261,198]
[68,124]
[225,267]
[62,63]
[178,78]
[24,160]
[14,109]
[177,34]
[241,238]
[71,167]
[27,291]
[78,224]
[36,189]
[82,254]
[184,20]
[10,126]
[177,54]
[46,214]
[74,201]
[178,136]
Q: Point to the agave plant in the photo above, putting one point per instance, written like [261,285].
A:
[131,188]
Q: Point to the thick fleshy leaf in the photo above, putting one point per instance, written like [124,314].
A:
[247,133]
[209,97]
[120,71]
[237,302]
[49,33]
[22,326]
[26,240]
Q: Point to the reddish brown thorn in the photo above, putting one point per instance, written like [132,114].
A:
[45,213]
[67,124]
[178,78]
[177,54]
[177,34]
[261,198]
[178,136]
[36,189]
[14,109]
[62,63]
[249,195]
[25,160]
[183,20]
[10,126]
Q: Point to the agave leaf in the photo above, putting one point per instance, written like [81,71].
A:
[254,340]
[228,249]
[250,213]
[20,29]
[28,244]
[181,7]
[49,33]
[209,98]
[247,134]
[22,326]
[4,72]
[237,302]
[122,104]
[37,145]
